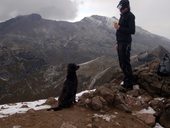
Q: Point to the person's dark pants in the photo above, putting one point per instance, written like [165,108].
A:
[123,50]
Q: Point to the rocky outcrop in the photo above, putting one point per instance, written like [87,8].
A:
[105,97]
[99,100]
[108,95]
[140,102]
[149,80]
[165,116]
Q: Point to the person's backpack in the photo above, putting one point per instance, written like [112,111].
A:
[164,66]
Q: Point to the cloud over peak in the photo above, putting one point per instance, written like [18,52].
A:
[50,9]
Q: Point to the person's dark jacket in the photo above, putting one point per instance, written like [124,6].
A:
[127,28]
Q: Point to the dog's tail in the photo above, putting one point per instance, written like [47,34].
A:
[55,109]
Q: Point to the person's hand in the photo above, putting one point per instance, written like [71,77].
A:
[116,26]
[115,46]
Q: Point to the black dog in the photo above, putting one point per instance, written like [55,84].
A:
[68,94]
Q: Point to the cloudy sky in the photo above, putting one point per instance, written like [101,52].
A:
[152,15]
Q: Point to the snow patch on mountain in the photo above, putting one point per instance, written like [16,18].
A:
[101,20]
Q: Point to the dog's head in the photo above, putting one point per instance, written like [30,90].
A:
[72,67]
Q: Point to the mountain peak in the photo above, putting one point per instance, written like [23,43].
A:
[17,21]
[100,20]
[33,16]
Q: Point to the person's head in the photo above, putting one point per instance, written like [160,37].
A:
[123,6]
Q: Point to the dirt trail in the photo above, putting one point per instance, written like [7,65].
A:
[75,116]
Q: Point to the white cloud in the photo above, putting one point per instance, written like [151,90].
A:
[150,14]
[153,15]
[50,9]
[97,7]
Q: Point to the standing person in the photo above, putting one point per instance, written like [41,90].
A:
[124,29]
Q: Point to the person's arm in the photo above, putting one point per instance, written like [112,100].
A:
[131,26]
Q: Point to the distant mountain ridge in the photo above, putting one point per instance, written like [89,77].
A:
[60,41]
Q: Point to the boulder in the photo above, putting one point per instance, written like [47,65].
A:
[147,118]
[120,102]
[124,108]
[24,106]
[87,95]
[16,126]
[2,107]
[84,102]
[157,105]
[98,100]
[106,93]
[97,103]
[67,125]
[145,99]
[31,111]
[50,101]
[89,125]
[134,93]
[165,118]
[85,99]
